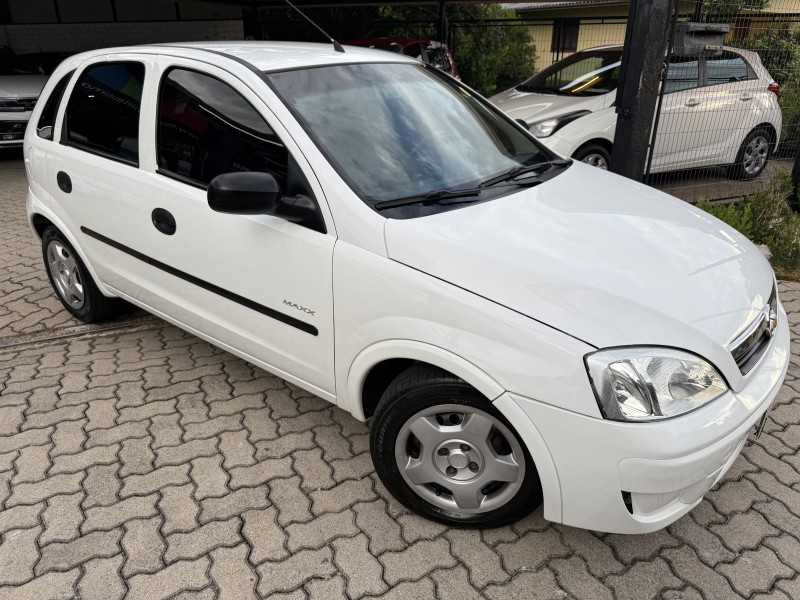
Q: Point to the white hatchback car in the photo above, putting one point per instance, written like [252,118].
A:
[517,327]
[718,110]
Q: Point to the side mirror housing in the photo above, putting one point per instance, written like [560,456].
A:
[244,193]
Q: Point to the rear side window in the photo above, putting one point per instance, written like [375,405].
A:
[47,120]
[206,128]
[103,111]
[728,67]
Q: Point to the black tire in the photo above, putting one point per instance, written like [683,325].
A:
[424,393]
[595,155]
[60,257]
[747,165]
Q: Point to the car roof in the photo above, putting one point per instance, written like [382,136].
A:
[264,56]
[392,40]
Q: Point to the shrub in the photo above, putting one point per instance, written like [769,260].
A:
[766,218]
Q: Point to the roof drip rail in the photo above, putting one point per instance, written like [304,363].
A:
[336,45]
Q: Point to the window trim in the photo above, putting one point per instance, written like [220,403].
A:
[177,176]
[65,141]
[67,78]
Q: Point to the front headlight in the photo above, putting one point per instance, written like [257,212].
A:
[649,384]
[11,105]
[549,126]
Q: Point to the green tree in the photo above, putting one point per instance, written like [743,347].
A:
[491,55]
[723,11]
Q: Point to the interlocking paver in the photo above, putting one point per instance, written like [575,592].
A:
[143,546]
[232,574]
[363,571]
[266,537]
[321,530]
[203,539]
[18,554]
[102,579]
[62,518]
[62,556]
[156,463]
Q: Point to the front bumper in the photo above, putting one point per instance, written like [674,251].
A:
[665,467]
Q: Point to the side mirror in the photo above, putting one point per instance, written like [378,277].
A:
[244,193]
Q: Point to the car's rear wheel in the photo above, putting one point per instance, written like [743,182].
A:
[72,282]
[593,154]
[445,452]
[753,155]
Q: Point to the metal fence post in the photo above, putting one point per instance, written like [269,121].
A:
[646,41]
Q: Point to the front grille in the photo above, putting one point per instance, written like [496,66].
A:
[749,346]
[12,130]
[27,103]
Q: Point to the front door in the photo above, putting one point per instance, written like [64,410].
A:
[256,284]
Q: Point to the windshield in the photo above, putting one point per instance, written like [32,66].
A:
[582,74]
[11,64]
[399,130]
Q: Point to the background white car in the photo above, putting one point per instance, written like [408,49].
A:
[20,85]
[720,110]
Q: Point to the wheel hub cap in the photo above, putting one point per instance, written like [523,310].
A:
[449,455]
[65,274]
[460,459]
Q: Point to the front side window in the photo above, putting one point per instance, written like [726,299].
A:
[683,73]
[583,74]
[103,111]
[395,131]
[206,128]
[728,67]
[44,128]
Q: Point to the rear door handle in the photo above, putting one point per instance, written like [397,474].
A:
[745,97]
[64,182]
[163,221]
[692,102]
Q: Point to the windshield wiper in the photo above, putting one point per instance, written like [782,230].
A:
[515,172]
[429,198]
[437,195]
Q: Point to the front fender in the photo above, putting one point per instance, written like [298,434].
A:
[413,350]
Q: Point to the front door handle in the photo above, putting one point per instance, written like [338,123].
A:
[745,97]
[692,102]
[163,221]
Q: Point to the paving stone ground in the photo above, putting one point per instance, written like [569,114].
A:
[138,461]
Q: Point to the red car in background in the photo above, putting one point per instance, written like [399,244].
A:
[428,51]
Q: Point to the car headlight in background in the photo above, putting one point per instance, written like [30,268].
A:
[649,384]
[548,127]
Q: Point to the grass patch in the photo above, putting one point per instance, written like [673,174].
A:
[766,218]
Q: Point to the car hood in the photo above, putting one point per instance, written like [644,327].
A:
[22,86]
[537,107]
[601,258]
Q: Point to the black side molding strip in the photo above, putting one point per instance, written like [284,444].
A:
[260,308]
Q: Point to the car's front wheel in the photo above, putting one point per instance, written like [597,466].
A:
[72,282]
[445,452]
[594,155]
[753,155]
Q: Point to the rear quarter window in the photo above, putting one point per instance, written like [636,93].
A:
[47,120]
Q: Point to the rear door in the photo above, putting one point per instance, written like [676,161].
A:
[94,174]
[257,284]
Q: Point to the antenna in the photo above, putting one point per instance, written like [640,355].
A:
[336,45]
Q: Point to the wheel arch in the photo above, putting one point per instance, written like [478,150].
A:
[607,144]
[770,128]
[376,367]
[39,221]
